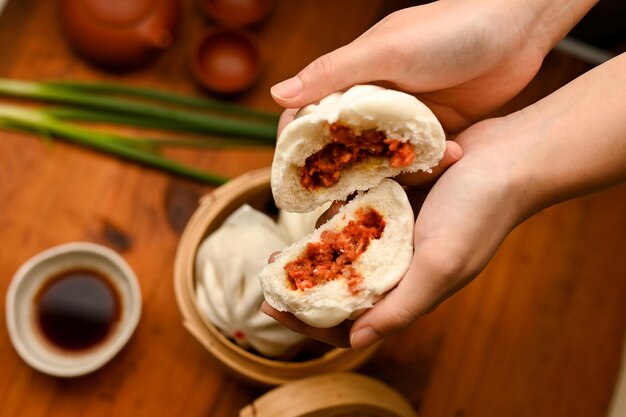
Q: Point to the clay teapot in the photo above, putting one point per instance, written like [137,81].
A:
[119,34]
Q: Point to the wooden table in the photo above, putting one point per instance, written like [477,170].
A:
[538,333]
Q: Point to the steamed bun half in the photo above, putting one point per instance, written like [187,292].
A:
[397,115]
[381,266]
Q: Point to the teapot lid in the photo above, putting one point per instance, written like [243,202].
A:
[119,12]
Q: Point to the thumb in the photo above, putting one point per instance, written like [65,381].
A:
[423,287]
[349,65]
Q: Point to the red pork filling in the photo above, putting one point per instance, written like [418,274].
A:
[334,255]
[323,168]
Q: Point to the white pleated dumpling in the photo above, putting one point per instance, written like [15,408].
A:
[227,286]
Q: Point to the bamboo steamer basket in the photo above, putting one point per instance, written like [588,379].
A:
[331,395]
[252,188]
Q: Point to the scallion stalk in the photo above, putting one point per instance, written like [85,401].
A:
[183,120]
[199,143]
[164,96]
[33,120]
[79,115]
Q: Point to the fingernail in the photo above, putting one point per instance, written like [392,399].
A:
[287,89]
[363,338]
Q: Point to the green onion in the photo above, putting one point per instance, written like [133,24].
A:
[161,117]
[199,143]
[165,96]
[78,115]
[33,120]
[107,104]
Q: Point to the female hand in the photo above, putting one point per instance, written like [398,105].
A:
[461,58]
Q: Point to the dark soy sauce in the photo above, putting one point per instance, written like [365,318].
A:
[77,309]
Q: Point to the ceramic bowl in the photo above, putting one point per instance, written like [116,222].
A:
[225,61]
[25,334]
[252,188]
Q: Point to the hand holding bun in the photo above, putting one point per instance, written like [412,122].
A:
[348,263]
[349,142]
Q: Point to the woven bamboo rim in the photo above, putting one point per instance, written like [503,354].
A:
[331,395]
[213,210]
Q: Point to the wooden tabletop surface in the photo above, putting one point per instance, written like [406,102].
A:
[539,333]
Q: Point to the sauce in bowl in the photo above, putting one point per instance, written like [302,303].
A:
[77,309]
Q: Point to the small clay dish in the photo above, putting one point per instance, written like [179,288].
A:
[236,13]
[71,308]
[225,61]
[252,188]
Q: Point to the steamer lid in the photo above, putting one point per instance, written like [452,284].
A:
[331,395]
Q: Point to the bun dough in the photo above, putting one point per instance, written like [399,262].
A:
[382,265]
[399,115]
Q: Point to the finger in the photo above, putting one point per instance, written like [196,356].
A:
[285,118]
[419,292]
[337,336]
[451,155]
[349,65]
[272,257]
